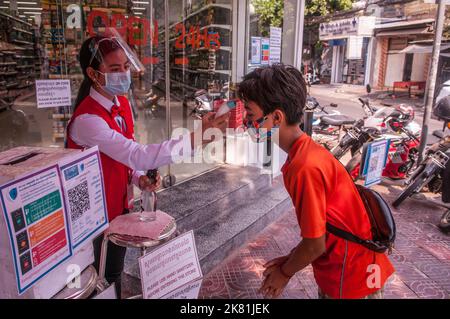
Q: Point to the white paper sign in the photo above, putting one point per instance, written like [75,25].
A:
[188,291]
[53,93]
[275,45]
[170,267]
[34,210]
[82,180]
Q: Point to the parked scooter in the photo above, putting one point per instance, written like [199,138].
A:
[203,103]
[396,125]
[434,171]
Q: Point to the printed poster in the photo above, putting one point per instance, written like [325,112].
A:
[85,196]
[256,50]
[265,51]
[35,214]
[375,161]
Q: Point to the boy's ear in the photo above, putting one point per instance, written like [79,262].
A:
[278,117]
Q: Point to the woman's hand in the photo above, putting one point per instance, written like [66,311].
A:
[146,184]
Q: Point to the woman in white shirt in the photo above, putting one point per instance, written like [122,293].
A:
[102,117]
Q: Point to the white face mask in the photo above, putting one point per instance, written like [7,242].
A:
[117,83]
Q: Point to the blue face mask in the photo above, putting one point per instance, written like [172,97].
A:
[117,83]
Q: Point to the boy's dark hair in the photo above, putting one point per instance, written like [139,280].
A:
[276,87]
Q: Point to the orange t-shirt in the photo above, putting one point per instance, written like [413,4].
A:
[322,190]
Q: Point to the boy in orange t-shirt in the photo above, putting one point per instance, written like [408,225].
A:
[321,190]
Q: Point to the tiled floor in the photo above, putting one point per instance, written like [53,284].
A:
[421,258]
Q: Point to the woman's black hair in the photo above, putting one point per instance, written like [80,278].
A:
[85,58]
[276,87]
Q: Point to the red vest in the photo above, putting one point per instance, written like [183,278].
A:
[116,175]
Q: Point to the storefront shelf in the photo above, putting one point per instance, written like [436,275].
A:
[25,66]
[15,19]
[23,42]
[9,73]
[23,31]
[25,57]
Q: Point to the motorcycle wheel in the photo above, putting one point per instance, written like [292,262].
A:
[444,224]
[412,188]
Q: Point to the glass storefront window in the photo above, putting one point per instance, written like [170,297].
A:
[42,39]
[265,24]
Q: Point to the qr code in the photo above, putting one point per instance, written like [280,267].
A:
[79,200]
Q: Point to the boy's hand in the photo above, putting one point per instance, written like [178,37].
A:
[146,184]
[273,264]
[274,284]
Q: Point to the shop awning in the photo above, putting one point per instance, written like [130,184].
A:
[415,48]
[390,33]
[404,28]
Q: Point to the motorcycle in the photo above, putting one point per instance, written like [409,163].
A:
[327,125]
[396,125]
[433,172]
[203,103]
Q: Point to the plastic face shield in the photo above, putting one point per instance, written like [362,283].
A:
[110,42]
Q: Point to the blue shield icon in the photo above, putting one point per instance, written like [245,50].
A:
[13,193]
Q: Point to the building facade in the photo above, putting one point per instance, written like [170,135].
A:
[395,46]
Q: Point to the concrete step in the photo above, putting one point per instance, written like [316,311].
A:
[225,208]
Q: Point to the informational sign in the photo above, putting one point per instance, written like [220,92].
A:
[167,269]
[275,45]
[84,193]
[342,27]
[374,159]
[188,291]
[265,51]
[53,93]
[38,229]
[256,50]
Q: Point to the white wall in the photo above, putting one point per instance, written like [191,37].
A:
[376,60]
[418,69]
[394,68]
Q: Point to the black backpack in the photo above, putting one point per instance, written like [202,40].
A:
[381,221]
